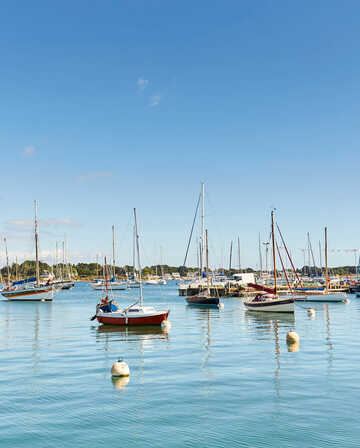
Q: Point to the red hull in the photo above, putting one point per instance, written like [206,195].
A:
[146,320]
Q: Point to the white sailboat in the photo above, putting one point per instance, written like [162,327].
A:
[268,300]
[29,289]
[327,296]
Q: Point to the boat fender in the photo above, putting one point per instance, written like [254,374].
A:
[120,368]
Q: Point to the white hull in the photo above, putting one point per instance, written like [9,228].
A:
[271,306]
[336,297]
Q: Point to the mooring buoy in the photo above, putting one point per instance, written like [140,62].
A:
[292,337]
[120,368]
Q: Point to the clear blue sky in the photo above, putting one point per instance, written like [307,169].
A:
[107,105]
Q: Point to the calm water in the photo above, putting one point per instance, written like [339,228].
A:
[217,379]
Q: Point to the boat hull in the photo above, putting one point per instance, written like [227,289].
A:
[29,295]
[112,319]
[339,297]
[271,306]
[203,301]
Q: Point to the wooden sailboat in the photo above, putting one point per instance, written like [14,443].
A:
[136,314]
[326,296]
[29,289]
[205,298]
[268,300]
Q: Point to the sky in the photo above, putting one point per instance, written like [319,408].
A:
[110,105]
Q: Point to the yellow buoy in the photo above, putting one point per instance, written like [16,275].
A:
[120,368]
[292,337]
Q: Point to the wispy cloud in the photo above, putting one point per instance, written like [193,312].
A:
[25,225]
[94,175]
[154,100]
[142,84]
[28,151]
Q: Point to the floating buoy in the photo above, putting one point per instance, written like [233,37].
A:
[311,312]
[292,337]
[221,305]
[166,325]
[294,347]
[346,300]
[120,368]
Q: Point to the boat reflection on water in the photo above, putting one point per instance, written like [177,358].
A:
[135,333]
[266,326]
[121,382]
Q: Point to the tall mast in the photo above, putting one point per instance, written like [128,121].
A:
[138,254]
[239,256]
[326,262]
[202,226]
[36,246]
[106,281]
[134,269]
[7,261]
[230,257]
[207,264]
[113,249]
[320,258]
[260,257]
[273,248]
[97,265]
[16,269]
[56,261]
[63,263]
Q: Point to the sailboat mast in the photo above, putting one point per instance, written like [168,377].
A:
[230,257]
[106,281]
[7,261]
[207,264]
[260,258]
[113,250]
[202,227]
[139,262]
[273,247]
[326,262]
[239,255]
[36,246]
[320,260]
[134,269]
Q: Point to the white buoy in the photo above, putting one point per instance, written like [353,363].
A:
[120,368]
[221,305]
[166,325]
[346,300]
[311,312]
[292,337]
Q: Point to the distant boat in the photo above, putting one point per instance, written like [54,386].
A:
[205,298]
[29,289]
[108,312]
[326,295]
[268,300]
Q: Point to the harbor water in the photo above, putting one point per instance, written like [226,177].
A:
[218,378]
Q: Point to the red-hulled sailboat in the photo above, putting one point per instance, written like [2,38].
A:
[108,312]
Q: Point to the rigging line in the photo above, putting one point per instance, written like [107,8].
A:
[192,230]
